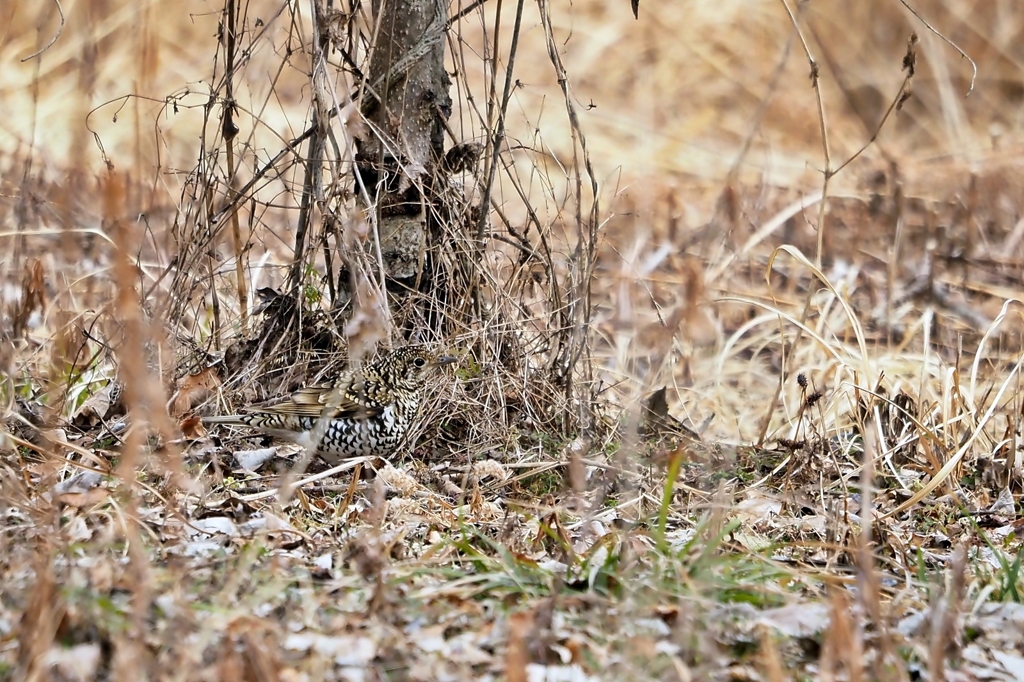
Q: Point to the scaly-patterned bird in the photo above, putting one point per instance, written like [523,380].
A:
[366,412]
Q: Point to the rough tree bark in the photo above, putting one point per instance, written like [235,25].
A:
[406,103]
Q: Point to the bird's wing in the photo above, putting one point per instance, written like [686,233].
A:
[341,401]
[350,399]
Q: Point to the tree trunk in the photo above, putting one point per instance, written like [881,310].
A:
[407,103]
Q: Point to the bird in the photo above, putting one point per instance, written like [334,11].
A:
[366,411]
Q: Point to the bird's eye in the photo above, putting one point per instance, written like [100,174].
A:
[419,362]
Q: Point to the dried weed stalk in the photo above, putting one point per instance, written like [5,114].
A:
[511,299]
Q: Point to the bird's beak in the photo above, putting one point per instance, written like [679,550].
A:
[445,360]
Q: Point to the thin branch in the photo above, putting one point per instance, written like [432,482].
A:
[828,172]
[974,67]
[499,132]
[60,29]
[464,12]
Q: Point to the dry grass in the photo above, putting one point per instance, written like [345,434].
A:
[851,362]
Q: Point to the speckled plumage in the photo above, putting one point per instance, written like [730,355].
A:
[366,412]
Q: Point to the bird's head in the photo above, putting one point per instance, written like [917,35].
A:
[411,366]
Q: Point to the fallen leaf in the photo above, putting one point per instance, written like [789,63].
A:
[797,620]
[76,663]
[214,525]
[556,673]
[251,460]
[95,408]
[192,428]
[82,489]
[192,389]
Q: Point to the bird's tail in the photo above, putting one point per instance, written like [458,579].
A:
[286,427]
[227,420]
[268,422]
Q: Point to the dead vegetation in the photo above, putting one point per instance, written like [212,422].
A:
[736,293]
